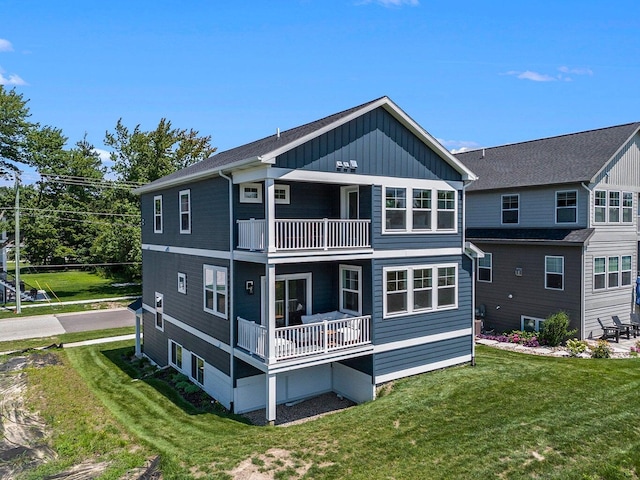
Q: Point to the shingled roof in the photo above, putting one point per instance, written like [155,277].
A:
[265,149]
[576,157]
[530,235]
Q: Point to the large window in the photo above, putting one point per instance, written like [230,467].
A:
[351,289]
[446,210]
[413,210]
[627,207]
[510,208]
[554,273]
[614,207]
[176,355]
[485,268]
[159,311]
[612,272]
[600,206]
[396,208]
[418,289]
[197,369]
[157,214]
[567,207]
[421,209]
[215,290]
[185,211]
[599,273]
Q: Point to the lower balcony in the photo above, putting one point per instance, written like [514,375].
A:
[305,234]
[317,338]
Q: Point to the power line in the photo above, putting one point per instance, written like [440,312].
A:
[80,220]
[89,182]
[79,212]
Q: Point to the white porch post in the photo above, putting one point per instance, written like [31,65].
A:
[138,349]
[270,277]
[270,214]
[271,398]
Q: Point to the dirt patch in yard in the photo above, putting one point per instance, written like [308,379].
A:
[275,462]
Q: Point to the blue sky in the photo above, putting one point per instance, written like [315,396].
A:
[473,74]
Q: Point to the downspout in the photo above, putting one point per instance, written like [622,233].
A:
[232,321]
[584,259]
[473,274]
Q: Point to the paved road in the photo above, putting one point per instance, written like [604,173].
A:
[48,325]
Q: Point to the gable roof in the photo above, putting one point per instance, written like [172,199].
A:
[265,150]
[572,158]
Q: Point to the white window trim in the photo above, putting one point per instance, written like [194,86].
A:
[630,270]
[158,311]
[537,321]
[605,206]
[409,211]
[182,282]
[244,187]
[174,365]
[293,276]
[214,310]
[157,215]
[575,208]
[287,197]
[357,269]
[609,207]
[490,268]
[546,273]
[187,212]
[195,358]
[623,208]
[434,289]
[603,274]
[502,209]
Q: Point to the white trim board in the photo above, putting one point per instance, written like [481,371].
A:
[417,341]
[196,252]
[422,369]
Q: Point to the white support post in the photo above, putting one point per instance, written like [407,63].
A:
[271,398]
[326,234]
[270,275]
[138,331]
[270,214]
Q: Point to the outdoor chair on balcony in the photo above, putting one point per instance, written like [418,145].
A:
[610,331]
[626,327]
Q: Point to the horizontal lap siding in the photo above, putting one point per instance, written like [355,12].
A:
[378,142]
[211,354]
[160,274]
[411,357]
[154,342]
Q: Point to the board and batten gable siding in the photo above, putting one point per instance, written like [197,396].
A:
[529,296]
[624,168]
[160,274]
[209,216]
[406,327]
[537,207]
[379,143]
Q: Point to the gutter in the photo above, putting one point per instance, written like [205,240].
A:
[584,259]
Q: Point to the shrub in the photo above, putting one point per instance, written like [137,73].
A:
[601,350]
[556,329]
[576,347]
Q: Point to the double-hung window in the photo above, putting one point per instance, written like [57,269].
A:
[554,273]
[614,207]
[421,209]
[625,270]
[510,208]
[157,214]
[485,268]
[351,289]
[215,290]
[197,369]
[446,210]
[627,207]
[613,272]
[417,289]
[176,355]
[599,273]
[185,211]
[567,207]
[600,206]
[159,311]
[396,208]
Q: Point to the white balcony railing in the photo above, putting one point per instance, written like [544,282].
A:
[305,234]
[303,340]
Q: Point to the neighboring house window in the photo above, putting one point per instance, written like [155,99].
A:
[600,206]
[446,210]
[567,207]
[351,289]
[215,290]
[421,209]
[554,273]
[614,207]
[396,208]
[625,270]
[176,355]
[197,369]
[531,324]
[182,282]
[418,289]
[159,311]
[251,193]
[485,268]
[281,194]
[157,214]
[599,273]
[510,208]
[627,207]
[185,211]
[613,270]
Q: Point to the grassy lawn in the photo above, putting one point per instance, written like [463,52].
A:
[17,345]
[512,416]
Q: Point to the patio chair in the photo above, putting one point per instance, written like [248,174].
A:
[610,331]
[626,327]
[634,319]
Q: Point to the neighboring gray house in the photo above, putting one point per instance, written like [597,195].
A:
[557,219]
[328,257]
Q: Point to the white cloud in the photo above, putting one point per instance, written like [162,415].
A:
[533,76]
[391,3]
[105,156]
[5,45]
[544,77]
[12,79]
[459,146]
[576,71]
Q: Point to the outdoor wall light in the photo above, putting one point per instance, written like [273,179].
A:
[497,307]
[510,295]
[248,286]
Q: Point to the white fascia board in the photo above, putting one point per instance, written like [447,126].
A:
[473,251]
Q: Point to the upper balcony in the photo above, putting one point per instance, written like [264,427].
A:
[305,234]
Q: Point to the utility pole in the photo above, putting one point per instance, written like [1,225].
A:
[17,245]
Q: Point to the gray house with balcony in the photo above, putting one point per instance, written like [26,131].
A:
[557,220]
[330,257]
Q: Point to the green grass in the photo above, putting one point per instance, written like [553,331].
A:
[512,416]
[54,308]
[18,345]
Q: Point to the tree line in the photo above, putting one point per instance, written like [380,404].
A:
[80,211]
